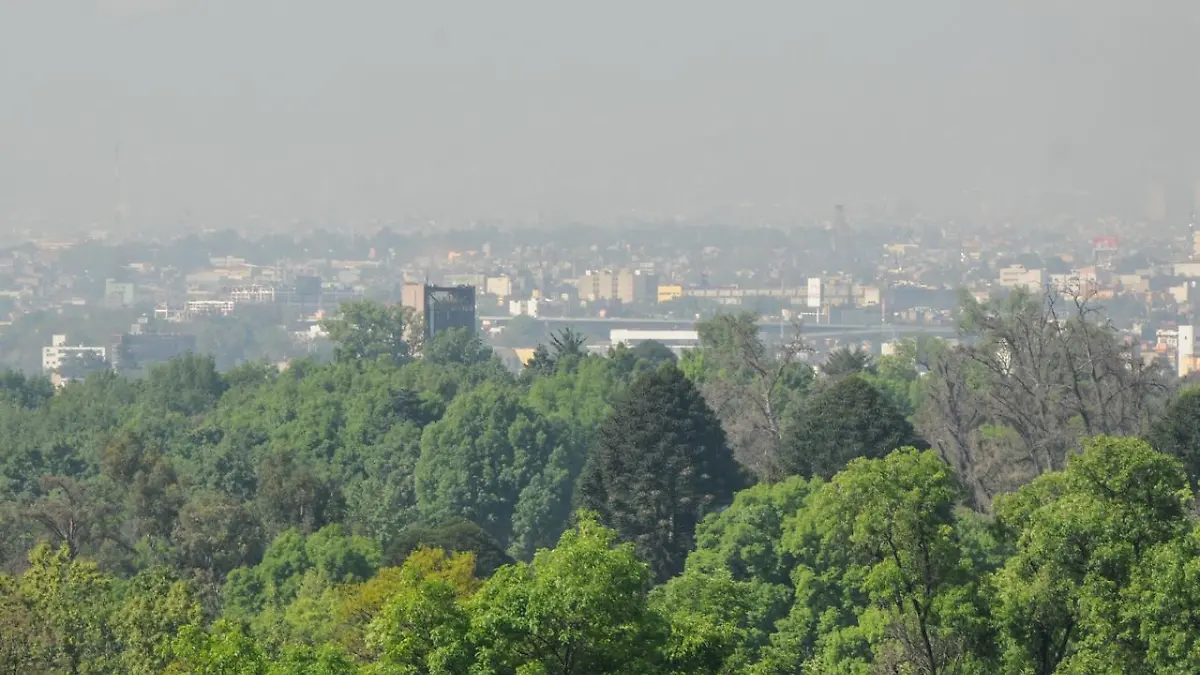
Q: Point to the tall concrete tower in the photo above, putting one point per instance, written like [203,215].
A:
[839,226]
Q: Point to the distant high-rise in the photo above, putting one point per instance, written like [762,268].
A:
[138,351]
[626,286]
[441,308]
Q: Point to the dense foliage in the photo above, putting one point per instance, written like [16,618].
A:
[416,508]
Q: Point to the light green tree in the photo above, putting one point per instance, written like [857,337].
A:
[1064,601]
[577,609]
[370,331]
[153,608]
[70,600]
[881,581]
[223,649]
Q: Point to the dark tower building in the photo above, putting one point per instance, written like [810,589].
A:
[442,307]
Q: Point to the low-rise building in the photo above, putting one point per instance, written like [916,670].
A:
[675,340]
[1018,276]
[501,286]
[59,352]
[523,307]
[669,292]
[625,286]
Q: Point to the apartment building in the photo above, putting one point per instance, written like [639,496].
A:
[625,286]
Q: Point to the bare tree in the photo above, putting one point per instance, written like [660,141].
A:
[73,513]
[951,417]
[1037,373]
[751,385]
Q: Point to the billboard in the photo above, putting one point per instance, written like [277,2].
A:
[814,292]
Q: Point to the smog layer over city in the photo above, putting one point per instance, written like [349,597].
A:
[380,336]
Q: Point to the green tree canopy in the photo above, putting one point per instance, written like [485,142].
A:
[577,609]
[370,331]
[1069,599]
[845,420]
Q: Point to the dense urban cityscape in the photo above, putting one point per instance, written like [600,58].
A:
[90,302]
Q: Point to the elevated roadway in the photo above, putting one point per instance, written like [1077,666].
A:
[600,326]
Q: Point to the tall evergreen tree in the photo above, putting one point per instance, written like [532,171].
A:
[658,466]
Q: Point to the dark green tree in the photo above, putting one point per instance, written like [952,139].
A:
[79,515]
[291,494]
[216,534]
[1177,432]
[846,420]
[658,466]
[24,391]
[846,361]
[148,483]
[568,344]
[627,362]
[453,534]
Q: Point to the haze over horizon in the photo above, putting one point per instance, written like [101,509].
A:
[375,110]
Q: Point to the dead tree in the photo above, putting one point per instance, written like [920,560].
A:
[751,385]
[1050,369]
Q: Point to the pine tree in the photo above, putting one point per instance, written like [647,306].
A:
[658,466]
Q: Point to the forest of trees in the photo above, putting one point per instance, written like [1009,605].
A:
[1021,501]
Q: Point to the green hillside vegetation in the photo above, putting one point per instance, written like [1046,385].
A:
[415,508]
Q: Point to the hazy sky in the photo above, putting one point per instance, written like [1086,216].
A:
[384,108]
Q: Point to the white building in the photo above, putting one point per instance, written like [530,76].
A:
[1185,355]
[523,307]
[210,307]
[59,353]
[676,340]
[252,293]
[165,312]
[1017,276]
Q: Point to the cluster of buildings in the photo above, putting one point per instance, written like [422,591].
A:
[904,272]
[134,350]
